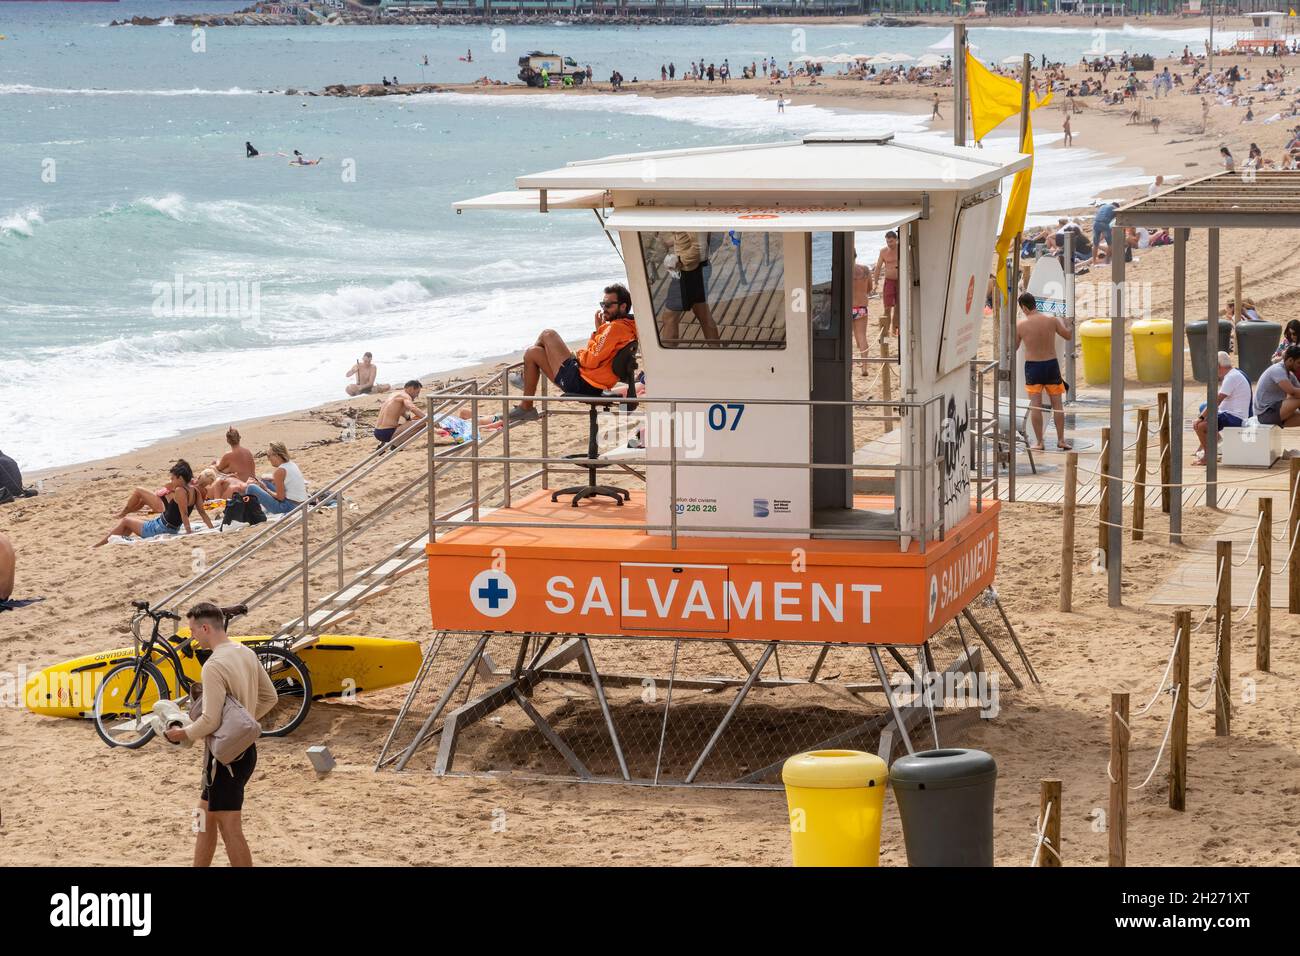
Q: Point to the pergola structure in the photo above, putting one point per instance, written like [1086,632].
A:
[1242,199]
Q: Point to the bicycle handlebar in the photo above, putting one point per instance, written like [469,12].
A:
[143,607]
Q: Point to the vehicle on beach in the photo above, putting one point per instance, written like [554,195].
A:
[558,70]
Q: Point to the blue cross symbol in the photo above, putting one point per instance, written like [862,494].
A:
[494,593]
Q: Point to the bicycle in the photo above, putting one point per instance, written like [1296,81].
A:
[131,687]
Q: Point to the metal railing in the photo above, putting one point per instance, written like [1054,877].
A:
[985,425]
[920,477]
[345,533]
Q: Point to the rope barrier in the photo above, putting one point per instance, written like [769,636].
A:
[1218,580]
[1173,652]
[1042,837]
[1096,473]
[1214,672]
[1251,547]
[1254,593]
[1169,726]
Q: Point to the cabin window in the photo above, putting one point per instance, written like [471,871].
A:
[716,289]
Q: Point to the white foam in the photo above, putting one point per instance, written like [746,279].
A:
[738,112]
[22,222]
[25,89]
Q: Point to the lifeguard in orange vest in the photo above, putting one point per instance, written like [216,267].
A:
[589,372]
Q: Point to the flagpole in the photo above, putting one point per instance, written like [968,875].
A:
[959,83]
[1013,287]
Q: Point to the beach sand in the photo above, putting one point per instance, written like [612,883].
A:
[67,799]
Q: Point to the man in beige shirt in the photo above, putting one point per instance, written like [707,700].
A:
[688,292]
[232,669]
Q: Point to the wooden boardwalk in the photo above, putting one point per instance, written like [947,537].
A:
[1192,583]
[1053,493]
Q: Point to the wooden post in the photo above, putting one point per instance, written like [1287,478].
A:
[1293,523]
[886,395]
[1049,814]
[1119,735]
[1223,630]
[1140,474]
[1166,463]
[1103,513]
[1067,532]
[1264,590]
[1178,735]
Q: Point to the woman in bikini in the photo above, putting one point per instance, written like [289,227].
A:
[178,498]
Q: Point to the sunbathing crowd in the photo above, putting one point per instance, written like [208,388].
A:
[232,480]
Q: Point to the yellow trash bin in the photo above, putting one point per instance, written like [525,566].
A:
[1094,338]
[1153,350]
[835,799]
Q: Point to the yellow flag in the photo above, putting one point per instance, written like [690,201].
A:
[994,99]
[1013,220]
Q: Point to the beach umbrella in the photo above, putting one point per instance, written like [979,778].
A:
[805,58]
[899,57]
[880,59]
[930,59]
[1013,60]
[844,58]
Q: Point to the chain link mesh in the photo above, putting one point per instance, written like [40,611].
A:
[668,702]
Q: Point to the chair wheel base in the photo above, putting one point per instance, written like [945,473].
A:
[579,492]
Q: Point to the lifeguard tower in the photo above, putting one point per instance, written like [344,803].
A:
[766,506]
[1268,32]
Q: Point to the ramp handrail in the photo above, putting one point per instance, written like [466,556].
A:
[331,493]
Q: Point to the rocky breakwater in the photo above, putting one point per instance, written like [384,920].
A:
[374,89]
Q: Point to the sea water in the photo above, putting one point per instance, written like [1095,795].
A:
[153,279]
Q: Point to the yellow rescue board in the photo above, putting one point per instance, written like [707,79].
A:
[338,665]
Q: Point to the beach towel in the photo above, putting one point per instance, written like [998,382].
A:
[199,529]
[13,605]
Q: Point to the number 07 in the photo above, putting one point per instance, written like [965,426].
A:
[718,416]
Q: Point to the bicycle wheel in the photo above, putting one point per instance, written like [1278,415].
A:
[124,698]
[292,686]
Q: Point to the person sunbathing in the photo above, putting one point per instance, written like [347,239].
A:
[238,462]
[281,491]
[399,414]
[180,497]
[590,371]
[209,484]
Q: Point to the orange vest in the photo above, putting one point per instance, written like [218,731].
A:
[596,361]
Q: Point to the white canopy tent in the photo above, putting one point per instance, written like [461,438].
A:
[946,44]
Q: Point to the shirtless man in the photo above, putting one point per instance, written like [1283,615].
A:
[887,266]
[863,286]
[365,372]
[238,462]
[399,414]
[1037,332]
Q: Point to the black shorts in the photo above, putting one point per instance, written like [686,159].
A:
[223,787]
[1269,415]
[693,291]
[569,379]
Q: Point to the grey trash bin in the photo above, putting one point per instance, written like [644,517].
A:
[1256,342]
[1196,345]
[945,801]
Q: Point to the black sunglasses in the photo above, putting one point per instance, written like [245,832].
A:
[609,305]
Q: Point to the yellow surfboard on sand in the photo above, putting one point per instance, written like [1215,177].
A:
[338,664]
